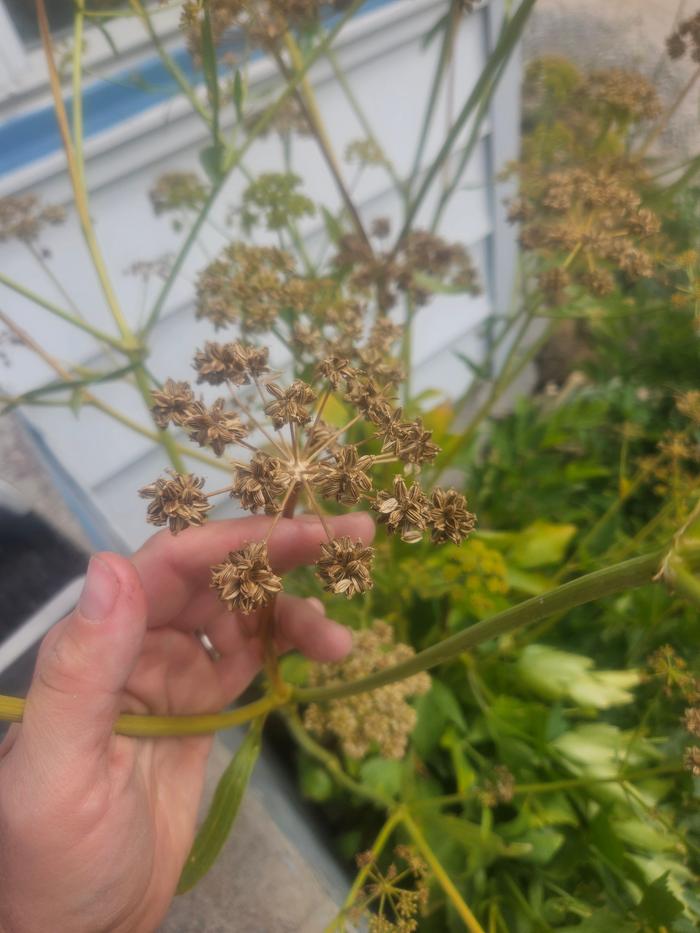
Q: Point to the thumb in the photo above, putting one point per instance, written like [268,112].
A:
[83,665]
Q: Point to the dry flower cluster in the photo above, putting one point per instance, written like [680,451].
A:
[22,217]
[397,907]
[380,719]
[591,223]
[273,200]
[312,460]
[264,21]
[408,270]
[177,191]
[672,670]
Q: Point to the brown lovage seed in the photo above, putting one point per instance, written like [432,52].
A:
[344,476]
[259,482]
[345,567]
[177,502]
[406,512]
[450,520]
[214,427]
[172,403]
[245,581]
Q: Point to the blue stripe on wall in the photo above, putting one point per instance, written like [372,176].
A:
[34,135]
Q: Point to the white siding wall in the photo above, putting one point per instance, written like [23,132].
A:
[390,72]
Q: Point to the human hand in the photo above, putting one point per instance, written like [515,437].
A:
[95,827]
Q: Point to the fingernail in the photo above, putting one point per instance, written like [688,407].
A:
[317,604]
[100,591]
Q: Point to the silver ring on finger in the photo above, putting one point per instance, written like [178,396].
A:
[206,643]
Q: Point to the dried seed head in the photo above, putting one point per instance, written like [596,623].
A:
[343,476]
[177,191]
[245,580]
[177,502]
[273,198]
[691,720]
[691,760]
[173,403]
[406,512]
[290,404]
[370,399]
[335,369]
[246,285]
[260,482]
[381,718]
[22,217]
[344,567]
[230,362]
[410,442]
[213,426]
[450,519]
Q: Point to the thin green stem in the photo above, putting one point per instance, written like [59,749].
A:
[234,157]
[452,18]
[331,763]
[356,107]
[170,64]
[77,69]
[309,105]
[507,41]
[589,588]
[62,313]
[511,370]
[377,848]
[440,875]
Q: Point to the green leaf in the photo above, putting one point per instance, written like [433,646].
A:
[333,227]
[602,921]
[212,161]
[315,782]
[481,371]
[541,543]
[448,704]
[383,775]
[659,907]
[544,844]
[223,811]
[239,93]
[527,582]
[555,674]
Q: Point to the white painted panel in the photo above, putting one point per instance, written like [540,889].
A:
[390,73]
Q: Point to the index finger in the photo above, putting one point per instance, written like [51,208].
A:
[175,569]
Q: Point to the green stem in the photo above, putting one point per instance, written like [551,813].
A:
[376,850]
[508,38]
[440,875]
[233,158]
[342,80]
[547,787]
[309,105]
[170,64]
[78,22]
[12,709]
[509,373]
[163,436]
[60,312]
[589,588]
[451,20]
